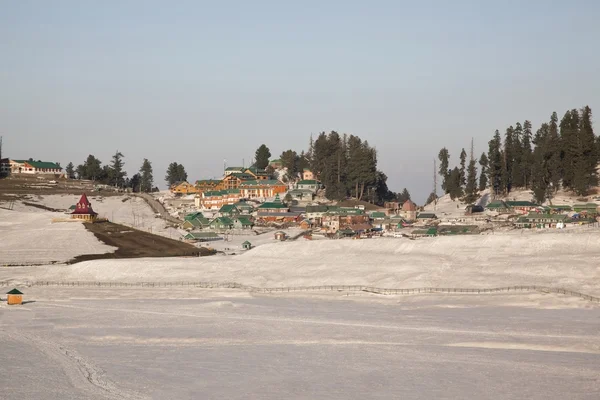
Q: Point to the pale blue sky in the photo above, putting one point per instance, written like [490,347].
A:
[197,82]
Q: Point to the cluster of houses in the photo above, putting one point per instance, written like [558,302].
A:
[8,166]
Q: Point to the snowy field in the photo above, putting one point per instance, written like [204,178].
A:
[568,260]
[31,237]
[165,344]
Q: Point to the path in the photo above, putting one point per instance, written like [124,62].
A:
[157,207]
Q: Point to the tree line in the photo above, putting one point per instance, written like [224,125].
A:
[559,155]
[113,173]
[345,164]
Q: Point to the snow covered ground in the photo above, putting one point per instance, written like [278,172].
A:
[31,238]
[165,344]
[559,259]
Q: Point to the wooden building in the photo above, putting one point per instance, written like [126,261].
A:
[15,296]
[83,210]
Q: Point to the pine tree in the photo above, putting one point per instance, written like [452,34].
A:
[403,196]
[471,192]
[175,173]
[431,198]
[135,182]
[456,190]
[569,144]
[91,169]
[526,155]
[483,175]
[517,177]
[146,178]
[289,159]
[495,164]
[463,161]
[508,159]
[541,167]
[261,157]
[116,175]
[70,171]
[444,158]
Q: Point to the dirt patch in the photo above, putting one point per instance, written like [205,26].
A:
[42,207]
[132,243]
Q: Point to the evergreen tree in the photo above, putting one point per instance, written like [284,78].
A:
[463,161]
[146,180]
[444,157]
[116,175]
[569,144]
[542,165]
[261,157]
[382,192]
[290,161]
[403,196]
[508,159]
[526,155]
[431,198]
[70,171]
[495,164]
[483,162]
[135,182]
[91,169]
[455,189]
[517,177]
[175,173]
[471,192]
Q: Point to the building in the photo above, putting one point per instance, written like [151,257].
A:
[221,224]
[201,236]
[280,235]
[246,245]
[498,206]
[261,189]
[242,223]
[4,167]
[301,195]
[195,221]
[15,296]
[307,175]
[342,218]
[312,185]
[229,210]
[244,207]
[83,210]
[214,200]
[423,216]
[538,220]
[30,167]
[183,188]
[257,173]
[275,206]
[409,211]
[276,164]
[589,208]
[233,180]
[522,207]
[234,170]
[206,185]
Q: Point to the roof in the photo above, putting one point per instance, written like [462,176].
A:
[201,235]
[222,221]
[587,206]
[264,182]
[308,182]
[276,161]
[246,243]
[272,205]
[558,217]
[14,291]
[244,221]
[242,176]
[409,206]
[39,164]
[317,209]
[198,222]
[520,204]
[243,204]
[216,193]
[192,216]
[228,208]
[235,169]
[257,171]
[378,214]
[84,206]
[427,215]
[278,214]
[208,182]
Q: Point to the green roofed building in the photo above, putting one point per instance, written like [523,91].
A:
[201,236]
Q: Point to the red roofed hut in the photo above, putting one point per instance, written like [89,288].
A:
[83,210]
[409,210]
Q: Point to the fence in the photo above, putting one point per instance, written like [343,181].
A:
[336,288]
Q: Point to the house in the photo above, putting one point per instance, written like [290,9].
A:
[275,206]
[522,207]
[431,232]
[423,216]
[234,170]
[257,173]
[305,224]
[196,223]
[183,188]
[409,211]
[301,195]
[30,167]
[206,185]
[392,206]
[276,164]
[194,215]
[280,235]
[246,245]
[538,220]
[498,206]
[473,208]
[307,174]
[360,228]
[229,210]
[221,224]
[242,223]
[589,208]
[309,184]
[83,210]
[244,207]
[233,180]
[257,189]
[14,296]
[378,215]
[4,167]
[342,218]
[216,199]
[201,236]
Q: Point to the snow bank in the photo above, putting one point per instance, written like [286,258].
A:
[570,260]
[31,237]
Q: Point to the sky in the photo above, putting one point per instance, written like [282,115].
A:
[199,82]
